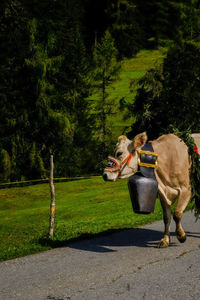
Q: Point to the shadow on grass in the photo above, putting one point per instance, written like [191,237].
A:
[109,240]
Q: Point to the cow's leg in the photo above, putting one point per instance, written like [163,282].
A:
[164,242]
[182,203]
[167,196]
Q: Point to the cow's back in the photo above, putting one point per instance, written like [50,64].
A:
[173,161]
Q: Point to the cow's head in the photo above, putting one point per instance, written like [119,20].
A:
[125,161]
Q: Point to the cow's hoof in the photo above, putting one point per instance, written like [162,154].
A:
[164,243]
[182,238]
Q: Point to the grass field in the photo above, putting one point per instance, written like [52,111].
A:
[83,208]
[131,69]
[135,68]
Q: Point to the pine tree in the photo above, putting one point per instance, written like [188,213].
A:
[190,19]
[170,95]
[43,84]
[124,26]
[106,70]
[74,85]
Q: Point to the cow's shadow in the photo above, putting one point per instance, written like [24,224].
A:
[193,234]
[108,241]
[139,237]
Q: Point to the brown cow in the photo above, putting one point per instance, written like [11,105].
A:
[172,174]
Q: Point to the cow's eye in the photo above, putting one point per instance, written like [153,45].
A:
[118,154]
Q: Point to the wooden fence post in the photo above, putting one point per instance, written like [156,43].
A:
[52,206]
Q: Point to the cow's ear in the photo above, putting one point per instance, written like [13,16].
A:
[122,137]
[139,140]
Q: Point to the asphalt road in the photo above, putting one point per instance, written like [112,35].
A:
[121,265]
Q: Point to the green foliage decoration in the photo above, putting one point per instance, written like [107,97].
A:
[194,169]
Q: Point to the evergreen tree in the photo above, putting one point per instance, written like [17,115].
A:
[43,85]
[170,96]
[124,25]
[74,85]
[160,17]
[95,21]
[190,19]
[106,70]
[14,42]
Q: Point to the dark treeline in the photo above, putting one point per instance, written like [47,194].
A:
[49,67]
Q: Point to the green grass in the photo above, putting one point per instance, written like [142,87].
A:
[83,208]
[131,69]
[135,68]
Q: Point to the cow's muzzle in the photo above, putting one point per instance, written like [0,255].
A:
[114,167]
